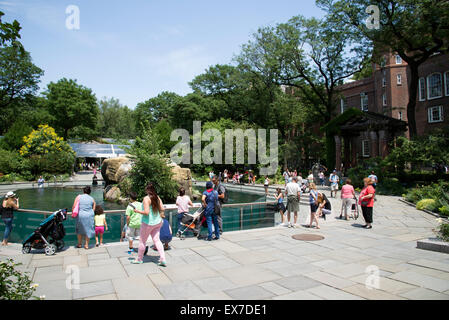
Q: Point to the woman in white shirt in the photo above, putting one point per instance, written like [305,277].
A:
[183,202]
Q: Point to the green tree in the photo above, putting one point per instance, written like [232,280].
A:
[156,108]
[314,56]
[71,105]
[116,120]
[414,29]
[19,79]
[13,139]
[9,32]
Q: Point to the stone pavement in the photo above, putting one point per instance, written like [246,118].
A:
[262,263]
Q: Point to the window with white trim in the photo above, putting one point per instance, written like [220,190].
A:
[384,81]
[446,83]
[435,114]
[422,89]
[434,86]
[398,59]
[400,116]
[364,101]
[384,99]
[365,148]
[399,79]
[343,105]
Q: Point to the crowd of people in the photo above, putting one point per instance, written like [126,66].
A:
[147,218]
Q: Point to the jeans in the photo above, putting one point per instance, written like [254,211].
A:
[8,228]
[212,218]
[180,215]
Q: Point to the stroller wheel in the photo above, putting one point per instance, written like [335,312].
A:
[50,249]
[26,248]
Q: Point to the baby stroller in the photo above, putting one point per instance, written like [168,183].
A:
[355,209]
[190,222]
[48,235]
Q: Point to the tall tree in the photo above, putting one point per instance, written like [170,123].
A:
[71,105]
[115,120]
[314,56]
[19,79]
[9,32]
[414,29]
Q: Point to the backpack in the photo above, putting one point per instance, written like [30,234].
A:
[226,197]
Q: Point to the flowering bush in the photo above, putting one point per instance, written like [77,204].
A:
[43,141]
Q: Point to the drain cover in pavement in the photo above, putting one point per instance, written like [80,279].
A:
[307,237]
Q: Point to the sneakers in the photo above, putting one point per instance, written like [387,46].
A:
[289,225]
[136,261]
[162,264]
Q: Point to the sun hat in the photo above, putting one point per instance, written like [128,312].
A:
[10,194]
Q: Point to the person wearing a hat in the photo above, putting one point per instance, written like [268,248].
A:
[209,199]
[10,203]
[334,179]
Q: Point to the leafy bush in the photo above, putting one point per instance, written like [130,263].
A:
[150,165]
[444,210]
[426,204]
[13,139]
[437,191]
[390,186]
[14,285]
[443,230]
[44,140]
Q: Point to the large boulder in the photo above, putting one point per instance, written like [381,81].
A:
[115,170]
[183,177]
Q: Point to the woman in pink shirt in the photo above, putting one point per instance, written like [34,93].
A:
[183,202]
[347,194]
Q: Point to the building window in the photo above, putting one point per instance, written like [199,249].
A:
[384,81]
[398,59]
[446,82]
[384,99]
[422,89]
[400,116]
[434,86]
[364,101]
[343,105]
[365,148]
[435,114]
[399,79]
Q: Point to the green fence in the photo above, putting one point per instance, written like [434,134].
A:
[240,216]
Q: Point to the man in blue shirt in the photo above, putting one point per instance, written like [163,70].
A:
[210,199]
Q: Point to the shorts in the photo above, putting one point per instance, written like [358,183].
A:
[293,203]
[99,230]
[334,187]
[313,207]
[132,233]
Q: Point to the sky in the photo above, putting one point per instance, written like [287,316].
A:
[133,50]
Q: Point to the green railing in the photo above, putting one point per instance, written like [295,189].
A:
[241,216]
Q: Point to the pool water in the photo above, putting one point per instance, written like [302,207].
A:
[53,198]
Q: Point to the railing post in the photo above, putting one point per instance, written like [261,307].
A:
[170,217]
[241,218]
[122,222]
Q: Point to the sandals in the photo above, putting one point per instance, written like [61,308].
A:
[78,246]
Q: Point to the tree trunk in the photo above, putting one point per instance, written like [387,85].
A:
[411,106]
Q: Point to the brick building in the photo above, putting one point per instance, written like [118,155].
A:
[383,99]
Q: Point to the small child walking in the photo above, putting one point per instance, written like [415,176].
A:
[100,224]
[133,220]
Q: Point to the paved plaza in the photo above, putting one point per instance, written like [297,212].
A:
[262,263]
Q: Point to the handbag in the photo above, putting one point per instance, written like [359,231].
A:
[76,209]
